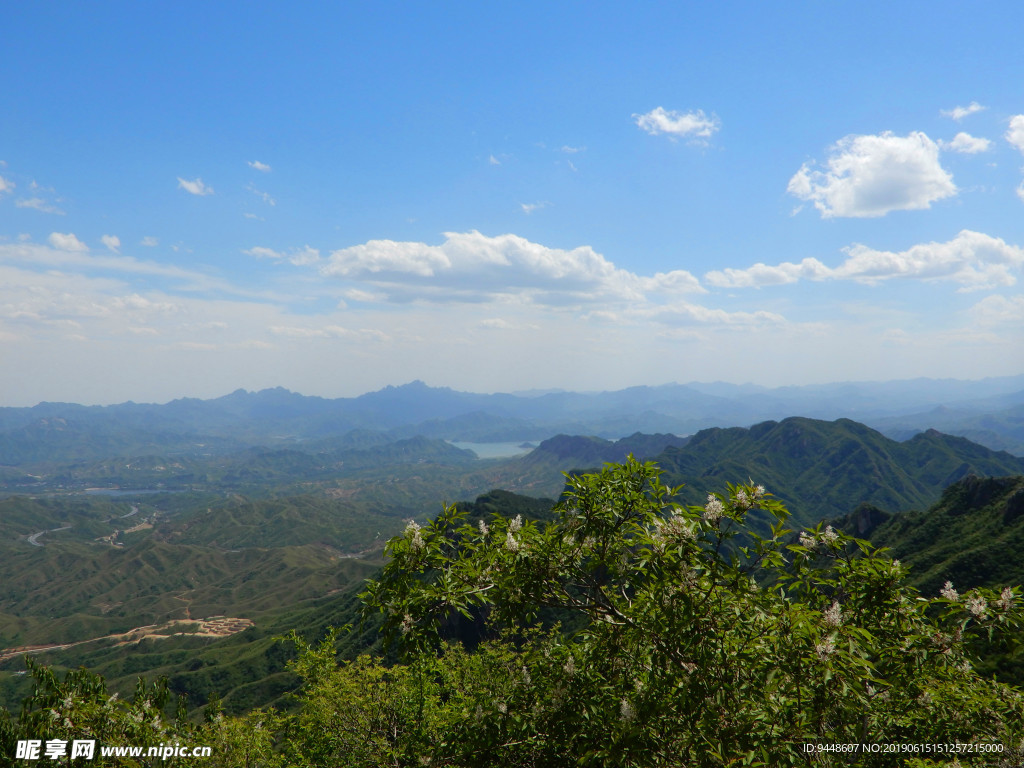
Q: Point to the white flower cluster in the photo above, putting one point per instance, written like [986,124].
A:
[825,648]
[812,540]
[413,531]
[514,525]
[948,592]
[745,500]
[1005,601]
[833,615]
[626,711]
[407,623]
[713,510]
[674,527]
[484,530]
[977,605]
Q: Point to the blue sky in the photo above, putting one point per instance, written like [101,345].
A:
[197,197]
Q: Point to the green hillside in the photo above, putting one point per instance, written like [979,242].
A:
[823,469]
[302,588]
[973,537]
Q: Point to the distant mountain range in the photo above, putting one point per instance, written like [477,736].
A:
[989,411]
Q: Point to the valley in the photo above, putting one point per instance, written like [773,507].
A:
[126,556]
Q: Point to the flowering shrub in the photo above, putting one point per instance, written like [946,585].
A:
[701,642]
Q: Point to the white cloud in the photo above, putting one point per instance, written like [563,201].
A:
[998,310]
[264,196]
[959,113]
[496,323]
[387,257]
[1020,191]
[112,242]
[330,332]
[692,125]
[972,259]
[194,187]
[966,144]
[66,242]
[493,160]
[38,204]
[529,208]
[869,176]
[1015,133]
[763,274]
[6,185]
[471,267]
[572,150]
[67,252]
[262,167]
[354,294]
[684,313]
[149,241]
[298,256]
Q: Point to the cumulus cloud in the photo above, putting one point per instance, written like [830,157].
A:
[966,144]
[149,241]
[972,259]
[764,274]
[262,167]
[6,185]
[66,242]
[112,242]
[696,126]
[869,176]
[194,187]
[1015,133]
[959,113]
[474,267]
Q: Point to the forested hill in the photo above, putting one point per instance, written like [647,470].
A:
[973,536]
[826,469]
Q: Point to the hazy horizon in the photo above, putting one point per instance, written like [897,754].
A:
[544,390]
[506,197]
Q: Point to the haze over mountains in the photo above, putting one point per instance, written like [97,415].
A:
[990,412]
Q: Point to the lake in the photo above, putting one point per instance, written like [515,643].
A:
[494,450]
